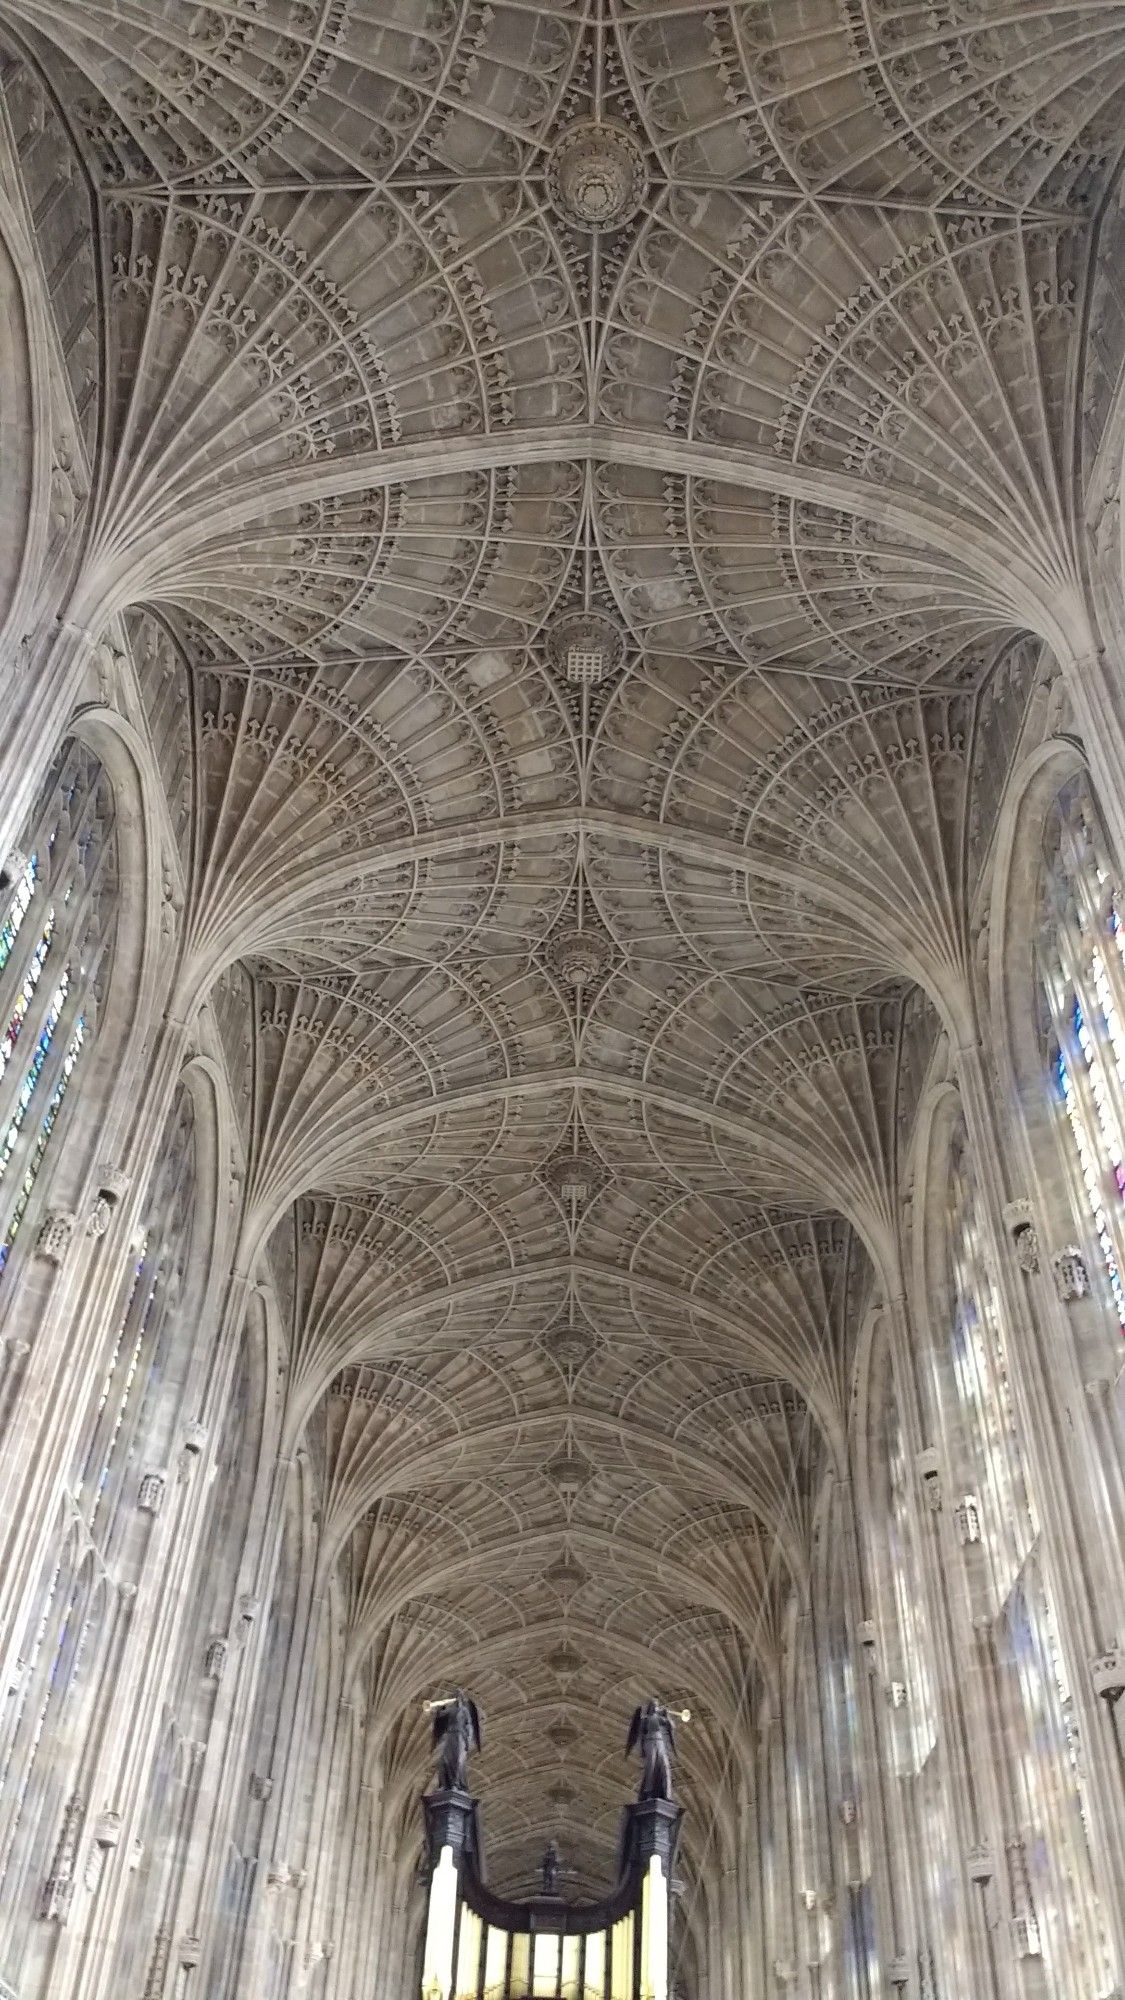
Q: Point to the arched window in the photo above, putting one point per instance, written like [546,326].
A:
[58,910]
[1081,964]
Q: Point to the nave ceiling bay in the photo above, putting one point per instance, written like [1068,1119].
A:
[587,488]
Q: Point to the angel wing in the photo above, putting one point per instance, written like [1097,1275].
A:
[634,1730]
[474,1716]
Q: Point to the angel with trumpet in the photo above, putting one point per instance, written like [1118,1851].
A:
[653,1732]
[456,1732]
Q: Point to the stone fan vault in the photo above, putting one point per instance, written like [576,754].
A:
[562,1101]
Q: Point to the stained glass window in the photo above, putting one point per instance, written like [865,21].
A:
[1086,1146]
[26,994]
[56,931]
[1082,954]
[17,909]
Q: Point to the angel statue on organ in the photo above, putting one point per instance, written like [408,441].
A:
[456,1734]
[653,1732]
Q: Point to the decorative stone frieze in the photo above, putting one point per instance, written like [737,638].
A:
[980,1864]
[195,1437]
[261,1788]
[596,175]
[966,1517]
[151,1489]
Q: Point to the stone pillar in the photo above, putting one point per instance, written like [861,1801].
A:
[861,1826]
[964,1737]
[1081,1551]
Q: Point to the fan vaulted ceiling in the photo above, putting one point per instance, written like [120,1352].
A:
[577,477]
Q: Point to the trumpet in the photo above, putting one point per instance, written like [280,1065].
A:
[445,1701]
[681,1714]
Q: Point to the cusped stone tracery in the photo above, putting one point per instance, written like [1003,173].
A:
[299,86]
[979,100]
